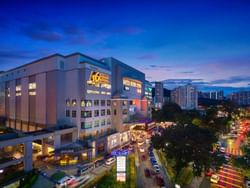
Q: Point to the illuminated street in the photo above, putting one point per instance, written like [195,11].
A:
[229,178]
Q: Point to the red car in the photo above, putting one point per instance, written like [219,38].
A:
[143,158]
[159,181]
[147,172]
[209,172]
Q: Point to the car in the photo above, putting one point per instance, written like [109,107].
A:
[153,160]
[214,178]
[143,158]
[159,181]
[84,169]
[147,172]
[99,162]
[150,153]
[156,168]
[209,172]
[222,149]
[110,161]
[141,149]
[248,183]
[140,143]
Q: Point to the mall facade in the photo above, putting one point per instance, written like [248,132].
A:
[101,99]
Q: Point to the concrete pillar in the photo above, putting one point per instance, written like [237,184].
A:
[74,136]
[45,147]
[28,156]
[57,140]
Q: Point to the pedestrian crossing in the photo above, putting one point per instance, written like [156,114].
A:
[234,151]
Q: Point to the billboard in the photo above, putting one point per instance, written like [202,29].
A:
[121,168]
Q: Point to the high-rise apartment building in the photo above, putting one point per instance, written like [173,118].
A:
[185,96]
[241,98]
[158,95]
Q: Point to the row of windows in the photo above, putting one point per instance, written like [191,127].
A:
[32,88]
[88,103]
[88,114]
[97,123]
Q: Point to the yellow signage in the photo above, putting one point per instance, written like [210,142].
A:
[98,78]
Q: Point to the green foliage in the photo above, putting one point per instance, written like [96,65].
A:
[185,145]
[185,176]
[58,175]
[197,122]
[109,179]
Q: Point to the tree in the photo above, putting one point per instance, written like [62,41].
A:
[167,113]
[186,145]
[197,122]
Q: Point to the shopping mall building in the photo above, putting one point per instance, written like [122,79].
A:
[97,100]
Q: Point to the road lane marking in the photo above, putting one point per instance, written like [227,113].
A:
[229,173]
[229,183]
[228,177]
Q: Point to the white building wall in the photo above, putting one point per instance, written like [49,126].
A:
[41,98]
[12,99]
[25,99]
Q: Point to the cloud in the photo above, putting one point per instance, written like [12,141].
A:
[232,80]
[187,72]
[16,54]
[42,31]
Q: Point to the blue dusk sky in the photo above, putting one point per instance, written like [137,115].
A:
[204,42]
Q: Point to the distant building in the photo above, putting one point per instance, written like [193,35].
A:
[241,98]
[159,95]
[216,95]
[185,96]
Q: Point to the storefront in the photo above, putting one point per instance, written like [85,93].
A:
[72,155]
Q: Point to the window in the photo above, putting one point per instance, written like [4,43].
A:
[88,103]
[18,90]
[102,122]
[32,88]
[114,111]
[102,102]
[82,103]
[86,114]
[32,85]
[102,112]
[67,113]
[96,113]
[67,102]
[74,102]
[97,123]
[108,102]
[73,113]
[124,111]
[86,125]
[108,112]
[61,65]
[96,102]
[108,121]
[126,88]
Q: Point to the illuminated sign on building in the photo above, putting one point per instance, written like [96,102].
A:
[97,78]
[121,168]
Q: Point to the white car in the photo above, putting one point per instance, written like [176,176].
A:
[156,168]
[110,161]
[140,143]
[248,184]
[222,149]
[141,149]
[214,178]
